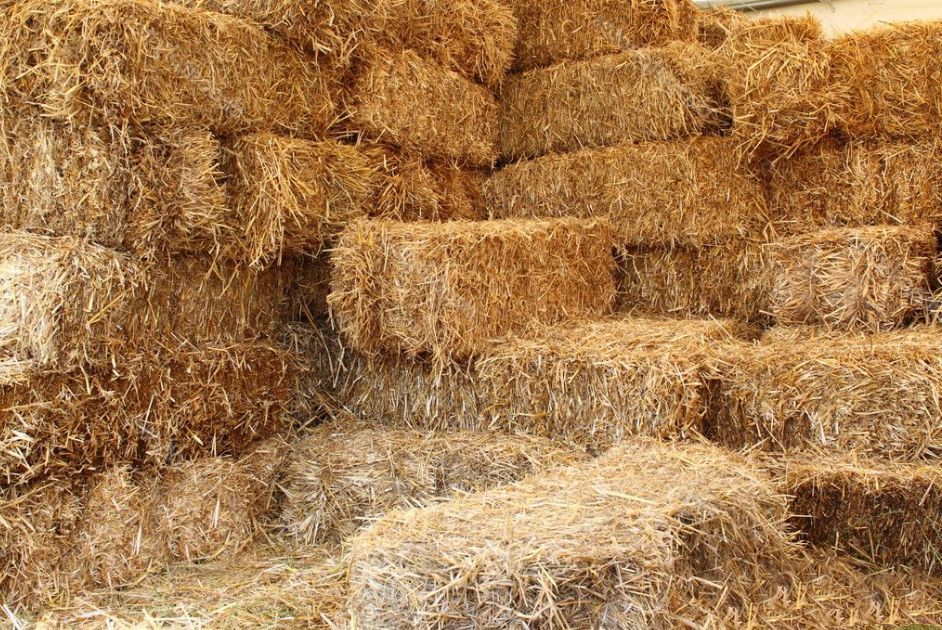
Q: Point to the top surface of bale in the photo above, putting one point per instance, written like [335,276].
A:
[162,64]
[628,540]
[402,100]
[644,95]
[557,30]
[663,193]
[447,289]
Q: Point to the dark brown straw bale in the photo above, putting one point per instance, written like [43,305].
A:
[557,30]
[597,383]
[637,96]
[872,278]
[893,78]
[682,193]
[404,101]
[648,534]
[876,394]
[162,64]
[474,38]
[447,289]
[347,474]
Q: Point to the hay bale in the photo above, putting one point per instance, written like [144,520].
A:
[291,197]
[346,475]
[552,31]
[162,65]
[449,288]
[856,184]
[474,38]
[682,193]
[873,394]
[894,83]
[597,383]
[873,278]
[311,288]
[405,101]
[882,513]
[646,535]
[727,280]
[638,96]
[714,24]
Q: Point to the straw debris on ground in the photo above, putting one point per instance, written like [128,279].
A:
[347,475]
[448,289]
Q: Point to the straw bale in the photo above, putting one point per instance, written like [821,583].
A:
[311,288]
[260,588]
[474,38]
[876,394]
[647,535]
[557,30]
[638,96]
[346,475]
[414,189]
[449,288]
[714,24]
[687,192]
[778,85]
[407,102]
[856,184]
[728,280]
[599,382]
[872,278]
[292,196]
[885,514]
[893,78]
[162,64]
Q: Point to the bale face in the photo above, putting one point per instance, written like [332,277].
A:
[556,30]
[870,279]
[291,196]
[598,383]
[872,394]
[404,101]
[884,514]
[686,516]
[683,193]
[447,289]
[638,96]
[474,38]
[346,476]
[164,65]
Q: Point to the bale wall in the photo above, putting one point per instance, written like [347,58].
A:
[696,535]
[405,101]
[872,394]
[552,31]
[872,279]
[598,383]
[447,289]
[346,475]
[683,193]
[637,96]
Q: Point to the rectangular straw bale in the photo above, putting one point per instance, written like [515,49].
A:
[448,289]
[858,183]
[402,100]
[873,394]
[597,383]
[649,535]
[552,31]
[893,78]
[474,38]
[683,193]
[729,280]
[872,278]
[886,514]
[637,96]
[162,64]
[346,475]
[291,196]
